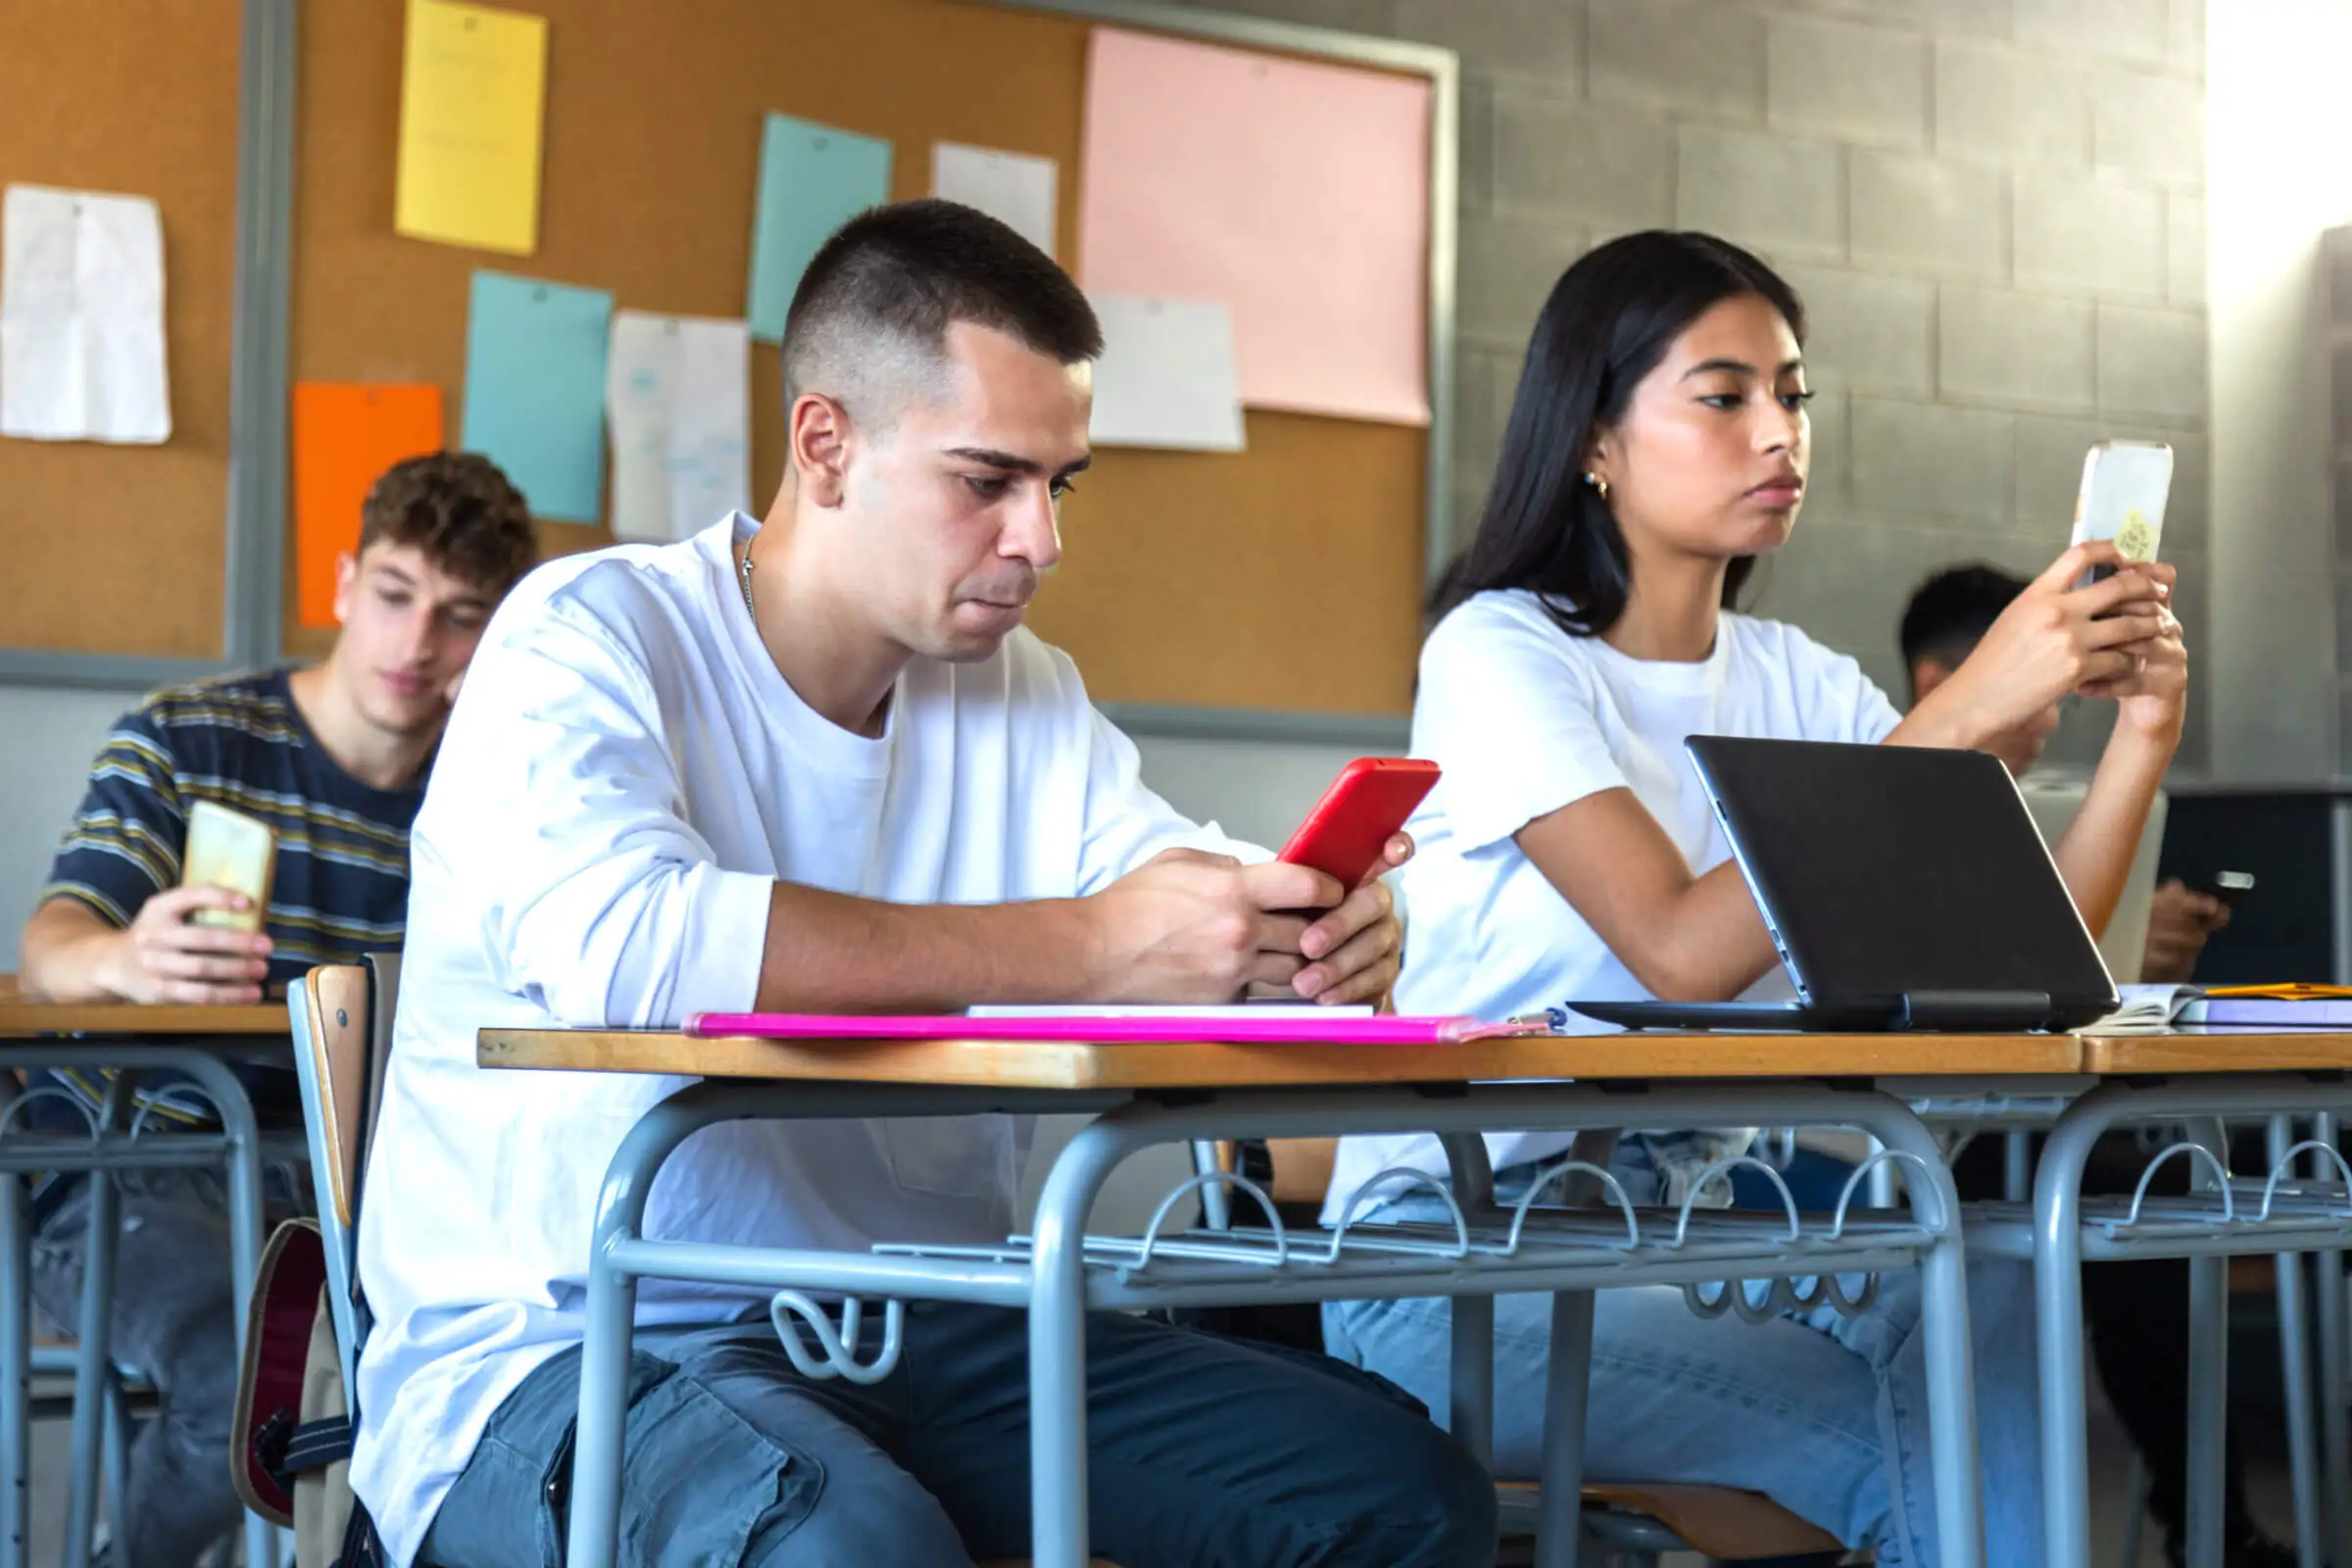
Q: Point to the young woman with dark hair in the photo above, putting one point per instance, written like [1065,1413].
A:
[1658,445]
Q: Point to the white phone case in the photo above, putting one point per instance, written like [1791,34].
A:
[231,850]
[2125,486]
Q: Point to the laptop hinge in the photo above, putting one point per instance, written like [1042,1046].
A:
[1975,1009]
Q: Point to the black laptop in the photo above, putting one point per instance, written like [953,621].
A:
[1905,887]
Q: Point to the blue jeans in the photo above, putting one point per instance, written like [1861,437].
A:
[1203,1452]
[174,1317]
[1826,1415]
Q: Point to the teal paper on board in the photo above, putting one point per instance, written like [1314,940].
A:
[812,180]
[535,390]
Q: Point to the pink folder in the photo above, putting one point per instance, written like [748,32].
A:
[1288,1030]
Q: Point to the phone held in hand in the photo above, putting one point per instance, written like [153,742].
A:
[2228,887]
[1346,833]
[2124,487]
[229,850]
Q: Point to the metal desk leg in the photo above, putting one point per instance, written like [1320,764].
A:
[1944,1325]
[1471,1379]
[594,1531]
[94,1361]
[2294,1359]
[2058,1333]
[16,1355]
[1470,1414]
[1951,1396]
[2016,1165]
[2335,1417]
[118,1460]
[15,1352]
[242,1165]
[1060,1536]
[1216,1201]
[1568,1387]
[604,1412]
[2208,1387]
[2208,1401]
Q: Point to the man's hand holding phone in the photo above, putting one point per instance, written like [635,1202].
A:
[1191,927]
[1356,950]
[167,955]
[1316,922]
[2179,919]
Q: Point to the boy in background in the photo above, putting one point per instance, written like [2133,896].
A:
[333,757]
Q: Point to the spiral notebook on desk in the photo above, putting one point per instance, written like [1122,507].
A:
[1117,1026]
[2320,1009]
[2153,1010]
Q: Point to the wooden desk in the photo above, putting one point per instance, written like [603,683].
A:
[197,1040]
[2201,1050]
[34,1021]
[1061,1065]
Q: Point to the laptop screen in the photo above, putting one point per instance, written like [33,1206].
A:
[1894,869]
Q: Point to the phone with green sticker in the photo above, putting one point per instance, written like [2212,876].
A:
[2125,486]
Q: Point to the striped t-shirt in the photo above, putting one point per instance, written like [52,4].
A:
[341,885]
[341,888]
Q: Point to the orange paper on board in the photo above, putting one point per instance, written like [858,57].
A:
[345,436]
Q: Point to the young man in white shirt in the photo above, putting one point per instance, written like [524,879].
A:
[817,766]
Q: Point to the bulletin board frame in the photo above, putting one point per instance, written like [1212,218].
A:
[255,524]
[257,531]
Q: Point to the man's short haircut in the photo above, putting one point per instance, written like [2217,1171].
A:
[462,511]
[1951,613]
[872,312]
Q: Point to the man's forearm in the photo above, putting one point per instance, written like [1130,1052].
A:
[67,955]
[831,952]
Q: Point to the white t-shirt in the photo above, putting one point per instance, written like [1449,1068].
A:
[626,777]
[1526,718]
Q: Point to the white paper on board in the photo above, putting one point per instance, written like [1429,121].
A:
[1013,188]
[82,318]
[1166,377]
[677,395]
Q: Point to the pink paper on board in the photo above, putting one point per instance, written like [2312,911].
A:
[1104,1031]
[1295,193]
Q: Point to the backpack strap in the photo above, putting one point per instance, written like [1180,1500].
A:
[316,1445]
[361,1547]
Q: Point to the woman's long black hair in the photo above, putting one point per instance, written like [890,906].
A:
[1610,318]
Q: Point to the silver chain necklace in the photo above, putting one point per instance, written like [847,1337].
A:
[744,574]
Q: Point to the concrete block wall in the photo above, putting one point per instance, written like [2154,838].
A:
[1993,209]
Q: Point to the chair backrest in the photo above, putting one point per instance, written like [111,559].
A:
[342,1020]
[384,970]
[1303,1167]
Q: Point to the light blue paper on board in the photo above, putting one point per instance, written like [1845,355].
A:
[812,180]
[535,390]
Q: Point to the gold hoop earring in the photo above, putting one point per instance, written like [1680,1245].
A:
[1599,484]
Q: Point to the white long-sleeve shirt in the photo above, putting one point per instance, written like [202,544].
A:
[626,776]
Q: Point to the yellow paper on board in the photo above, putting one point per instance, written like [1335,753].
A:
[472,107]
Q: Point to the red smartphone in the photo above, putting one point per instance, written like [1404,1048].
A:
[1345,835]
